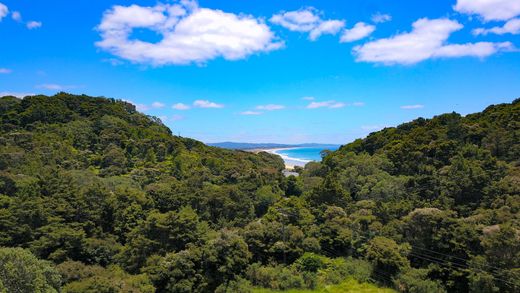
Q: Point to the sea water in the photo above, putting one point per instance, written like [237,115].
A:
[300,156]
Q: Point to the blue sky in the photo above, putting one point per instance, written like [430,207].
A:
[268,71]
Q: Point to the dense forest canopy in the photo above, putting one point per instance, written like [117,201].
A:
[97,197]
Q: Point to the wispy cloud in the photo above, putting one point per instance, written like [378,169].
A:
[16,94]
[270,107]
[56,87]
[372,127]
[33,24]
[251,113]
[181,106]
[158,105]
[309,98]
[5,71]
[412,107]
[380,18]
[16,16]
[142,107]
[177,118]
[358,104]
[326,104]
[206,104]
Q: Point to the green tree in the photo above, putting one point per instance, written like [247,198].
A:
[21,272]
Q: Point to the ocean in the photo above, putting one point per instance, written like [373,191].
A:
[300,156]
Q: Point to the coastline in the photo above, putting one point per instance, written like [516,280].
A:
[290,162]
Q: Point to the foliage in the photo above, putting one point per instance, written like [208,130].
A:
[21,271]
[117,202]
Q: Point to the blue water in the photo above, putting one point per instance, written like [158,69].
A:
[300,156]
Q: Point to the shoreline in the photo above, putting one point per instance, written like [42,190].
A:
[289,162]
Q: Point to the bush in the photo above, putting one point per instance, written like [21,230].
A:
[340,269]
[113,279]
[21,271]
[278,277]
[417,281]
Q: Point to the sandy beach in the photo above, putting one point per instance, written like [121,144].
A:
[290,163]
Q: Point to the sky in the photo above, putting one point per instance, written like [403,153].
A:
[268,71]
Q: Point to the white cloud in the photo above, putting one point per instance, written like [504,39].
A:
[177,118]
[113,61]
[359,31]
[426,40]
[380,18]
[328,27]
[412,107]
[190,34]
[372,127]
[303,20]
[358,104]
[181,106]
[5,71]
[251,113]
[489,9]
[270,107]
[33,24]
[16,94]
[142,107]
[16,16]
[309,98]
[55,87]
[206,104]
[158,105]
[52,86]
[510,27]
[3,11]
[326,104]
[307,20]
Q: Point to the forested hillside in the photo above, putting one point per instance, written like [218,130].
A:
[96,197]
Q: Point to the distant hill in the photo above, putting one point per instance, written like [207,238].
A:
[250,146]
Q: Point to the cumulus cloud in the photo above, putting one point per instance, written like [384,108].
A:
[180,106]
[510,27]
[303,20]
[3,11]
[206,104]
[489,9]
[328,27]
[33,24]
[412,107]
[380,18]
[158,105]
[250,113]
[359,31]
[190,34]
[426,40]
[307,20]
[270,107]
[326,104]
[5,71]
